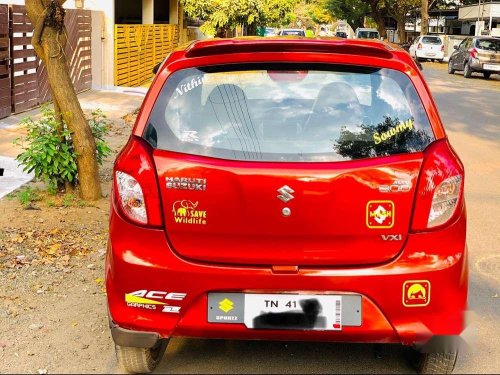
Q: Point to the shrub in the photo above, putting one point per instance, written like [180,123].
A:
[49,153]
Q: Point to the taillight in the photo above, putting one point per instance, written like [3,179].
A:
[440,188]
[445,200]
[473,53]
[136,191]
[442,48]
[419,46]
[131,197]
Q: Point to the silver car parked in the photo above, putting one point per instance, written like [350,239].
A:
[476,54]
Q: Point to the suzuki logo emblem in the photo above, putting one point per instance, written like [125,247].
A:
[286,194]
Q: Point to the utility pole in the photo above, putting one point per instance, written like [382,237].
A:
[491,17]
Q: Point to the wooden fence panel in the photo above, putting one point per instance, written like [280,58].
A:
[5,94]
[138,48]
[30,84]
[78,53]
[24,62]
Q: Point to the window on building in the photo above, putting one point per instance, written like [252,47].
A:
[162,11]
[128,12]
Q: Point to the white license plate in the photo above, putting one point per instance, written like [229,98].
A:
[430,54]
[293,311]
[492,67]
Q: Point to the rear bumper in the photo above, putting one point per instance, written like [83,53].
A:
[438,55]
[479,65]
[141,259]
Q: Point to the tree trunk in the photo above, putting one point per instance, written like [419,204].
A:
[401,29]
[252,29]
[377,17]
[425,17]
[49,46]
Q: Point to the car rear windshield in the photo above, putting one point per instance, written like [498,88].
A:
[488,44]
[431,40]
[368,34]
[293,32]
[289,113]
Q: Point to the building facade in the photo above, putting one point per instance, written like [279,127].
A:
[123,30]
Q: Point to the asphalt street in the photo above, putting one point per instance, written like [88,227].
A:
[470,110]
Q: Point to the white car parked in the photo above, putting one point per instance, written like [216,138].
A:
[427,48]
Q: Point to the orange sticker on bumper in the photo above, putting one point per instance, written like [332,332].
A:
[380,214]
[416,293]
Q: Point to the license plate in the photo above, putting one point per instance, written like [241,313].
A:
[288,311]
[496,68]
[430,54]
[285,311]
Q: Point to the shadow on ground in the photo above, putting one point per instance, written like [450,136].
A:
[221,356]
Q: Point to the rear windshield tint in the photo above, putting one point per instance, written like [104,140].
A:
[489,44]
[290,114]
[431,40]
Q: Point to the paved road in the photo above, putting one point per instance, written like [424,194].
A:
[471,111]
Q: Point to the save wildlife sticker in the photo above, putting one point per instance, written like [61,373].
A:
[187,212]
[380,214]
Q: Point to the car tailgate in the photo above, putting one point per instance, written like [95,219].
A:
[343,213]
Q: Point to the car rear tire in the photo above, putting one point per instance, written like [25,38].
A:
[433,363]
[450,68]
[140,360]
[486,75]
[467,71]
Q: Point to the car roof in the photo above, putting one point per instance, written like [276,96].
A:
[486,37]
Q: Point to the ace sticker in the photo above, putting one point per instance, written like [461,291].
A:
[380,214]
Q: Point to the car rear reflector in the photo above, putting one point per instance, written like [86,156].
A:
[275,46]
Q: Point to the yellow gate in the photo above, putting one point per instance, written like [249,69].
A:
[138,48]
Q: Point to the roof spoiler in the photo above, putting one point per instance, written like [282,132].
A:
[316,46]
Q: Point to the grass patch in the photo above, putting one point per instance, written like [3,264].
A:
[27,196]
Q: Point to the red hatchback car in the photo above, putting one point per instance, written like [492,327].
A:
[288,189]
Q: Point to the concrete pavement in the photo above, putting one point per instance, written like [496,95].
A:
[114,104]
